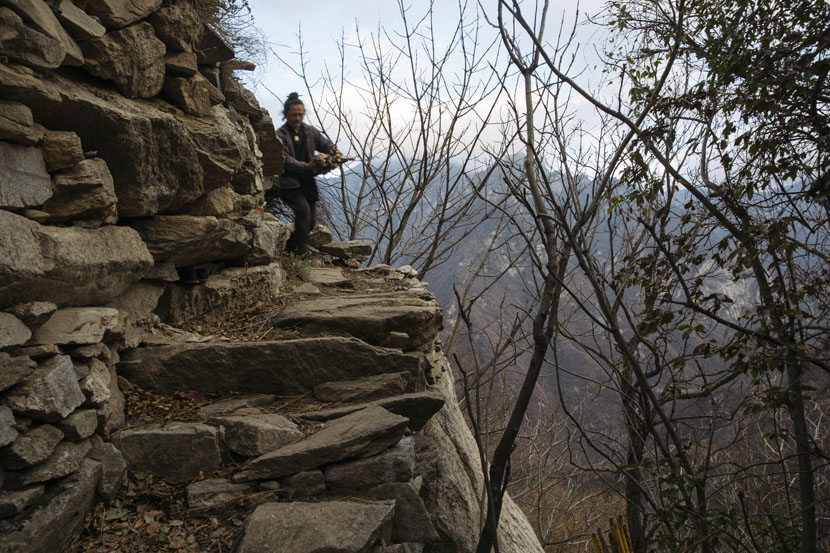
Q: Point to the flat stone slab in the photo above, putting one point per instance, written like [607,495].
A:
[363,389]
[215,492]
[288,367]
[371,317]
[252,435]
[332,526]
[396,464]
[325,276]
[361,434]
[418,407]
[177,452]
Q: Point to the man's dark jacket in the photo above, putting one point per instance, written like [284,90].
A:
[314,141]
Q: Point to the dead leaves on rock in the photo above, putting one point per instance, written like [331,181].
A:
[151,516]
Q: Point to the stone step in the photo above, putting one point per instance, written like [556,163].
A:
[361,434]
[299,527]
[402,319]
[418,407]
[288,367]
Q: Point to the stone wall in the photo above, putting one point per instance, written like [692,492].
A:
[130,156]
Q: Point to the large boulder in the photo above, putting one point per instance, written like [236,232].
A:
[67,265]
[189,240]
[39,16]
[287,367]
[447,458]
[332,526]
[133,58]
[160,160]
[371,317]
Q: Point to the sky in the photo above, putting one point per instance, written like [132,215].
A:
[323,24]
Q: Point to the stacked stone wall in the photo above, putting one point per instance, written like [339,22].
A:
[130,156]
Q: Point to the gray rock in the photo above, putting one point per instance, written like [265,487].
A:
[371,317]
[111,415]
[79,425]
[17,125]
[227,290]
[84,191]
[67,266]
[77,325]
[162,159]
[319,236]
[180,64]
[360,434]
[288,367]
[447,458]
[315,527]
[269,144]
[115,14]
[345,250]
[12,331]
[268,242]
[190,94]
[139,302]
[113,467]
[24,181]
[13,503]
[363,389]
[33,314]
[50,393]
[212,48]
[225,203]
[326,276]
[304,484]
[307,289]
[19,84]
[177,452]
[75,20]
[418,407]
[97,383]
[253,435]
[64,460]
[177,25]
[39,352]
[40,17]
[189,240]
[14,369]
[133,58]
[55,519]
[61,149]
[88,351]
[228,406]
[412,522]
[216,492]
[397,464]
[31,448]
[20,43]
[8,430]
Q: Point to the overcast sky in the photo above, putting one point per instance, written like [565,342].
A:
[323,23]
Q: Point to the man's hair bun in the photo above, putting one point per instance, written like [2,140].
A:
[293,96]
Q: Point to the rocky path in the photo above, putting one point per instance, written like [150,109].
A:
[317,450]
